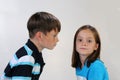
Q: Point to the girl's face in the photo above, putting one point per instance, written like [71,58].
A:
[85,43]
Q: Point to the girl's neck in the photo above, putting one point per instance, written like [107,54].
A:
[83,59]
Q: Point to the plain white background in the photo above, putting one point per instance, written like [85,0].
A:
[102,14]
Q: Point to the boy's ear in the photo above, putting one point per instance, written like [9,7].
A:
[39,35]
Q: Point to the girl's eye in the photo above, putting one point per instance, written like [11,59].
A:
[89,41]
[80,40]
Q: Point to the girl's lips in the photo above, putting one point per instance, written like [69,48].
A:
[83,48]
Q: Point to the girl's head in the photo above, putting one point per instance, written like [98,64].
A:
[86,45]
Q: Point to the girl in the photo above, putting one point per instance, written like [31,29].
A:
[86,55]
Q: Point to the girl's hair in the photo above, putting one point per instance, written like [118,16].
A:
[91,58]
[44,22]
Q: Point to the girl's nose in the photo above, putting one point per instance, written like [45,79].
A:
[84,43]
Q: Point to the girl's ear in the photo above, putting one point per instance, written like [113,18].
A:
[96,47]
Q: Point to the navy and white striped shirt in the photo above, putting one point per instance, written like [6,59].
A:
[26,64]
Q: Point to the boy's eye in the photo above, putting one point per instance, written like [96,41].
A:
[54,35]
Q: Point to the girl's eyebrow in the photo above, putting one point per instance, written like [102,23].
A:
[90,37]
[87,37]
[79,36]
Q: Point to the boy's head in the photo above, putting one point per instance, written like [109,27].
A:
[43,22]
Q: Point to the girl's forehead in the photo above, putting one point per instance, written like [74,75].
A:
[86,32]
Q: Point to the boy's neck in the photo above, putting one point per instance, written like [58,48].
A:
[36,43]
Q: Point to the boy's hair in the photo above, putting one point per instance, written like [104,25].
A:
[91,58]
[43,22]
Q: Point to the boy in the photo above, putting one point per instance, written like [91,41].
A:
[27,63]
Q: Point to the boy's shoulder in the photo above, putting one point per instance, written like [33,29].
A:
[21,52]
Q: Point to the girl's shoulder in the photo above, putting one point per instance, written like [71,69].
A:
[98,61]
[98,71]
[98,64]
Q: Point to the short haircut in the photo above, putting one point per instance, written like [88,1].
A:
[43,22]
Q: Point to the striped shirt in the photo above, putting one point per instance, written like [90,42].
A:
[26,64]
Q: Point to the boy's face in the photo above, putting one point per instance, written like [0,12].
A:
[49,40]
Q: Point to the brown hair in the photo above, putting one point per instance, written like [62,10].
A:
[91,58]
[44,22]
